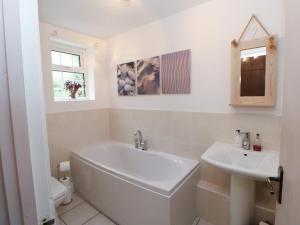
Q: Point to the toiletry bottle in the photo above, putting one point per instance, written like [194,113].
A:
[238,138]
[246,141]
[257,144]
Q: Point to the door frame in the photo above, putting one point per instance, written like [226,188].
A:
[7,153]
[287,213]
[27,142]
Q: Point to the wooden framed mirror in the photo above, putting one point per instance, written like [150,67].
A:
[254,72]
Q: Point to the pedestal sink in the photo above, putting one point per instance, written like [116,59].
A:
[244,167]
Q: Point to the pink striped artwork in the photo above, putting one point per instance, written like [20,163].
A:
[176,72]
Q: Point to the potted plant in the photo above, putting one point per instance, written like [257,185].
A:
[72,87]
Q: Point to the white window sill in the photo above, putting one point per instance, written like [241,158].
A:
[72,100]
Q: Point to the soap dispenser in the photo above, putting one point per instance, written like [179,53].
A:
[257,143]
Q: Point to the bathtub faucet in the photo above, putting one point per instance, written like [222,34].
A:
[139,143]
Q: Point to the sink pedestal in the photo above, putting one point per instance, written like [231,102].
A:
[245,167]
[242,200]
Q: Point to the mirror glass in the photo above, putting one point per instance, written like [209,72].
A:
[253,71]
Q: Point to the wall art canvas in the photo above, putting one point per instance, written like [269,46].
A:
[176,72]
[126,73]
[148,76]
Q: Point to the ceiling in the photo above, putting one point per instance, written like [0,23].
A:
[105,18]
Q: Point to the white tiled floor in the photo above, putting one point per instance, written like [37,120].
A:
[60,222]
[99,219]
[76,200]
[79,212]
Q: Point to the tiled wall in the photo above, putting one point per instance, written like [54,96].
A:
[69,130]
[190,133]
[186,134]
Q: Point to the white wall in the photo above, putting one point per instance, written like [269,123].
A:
[207,30]
[99,61]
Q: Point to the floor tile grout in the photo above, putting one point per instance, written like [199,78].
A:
[79,204]
[109,218]
[63,221]
[91,218]
[71,208]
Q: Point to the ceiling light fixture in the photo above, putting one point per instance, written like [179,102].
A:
[125,2]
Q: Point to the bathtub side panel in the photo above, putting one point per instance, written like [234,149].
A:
[124,202]
[183,201]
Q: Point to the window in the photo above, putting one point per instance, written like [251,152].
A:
[68,64]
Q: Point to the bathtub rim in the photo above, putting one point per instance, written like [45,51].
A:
[133,180]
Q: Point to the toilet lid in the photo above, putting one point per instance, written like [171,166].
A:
[57,188]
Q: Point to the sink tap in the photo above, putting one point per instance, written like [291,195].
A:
[246,140]
[137,138]
[139,143]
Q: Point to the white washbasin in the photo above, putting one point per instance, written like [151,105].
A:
[233,160]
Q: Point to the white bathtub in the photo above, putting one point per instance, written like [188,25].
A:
[135,187]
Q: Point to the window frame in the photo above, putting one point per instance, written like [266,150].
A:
[82,69]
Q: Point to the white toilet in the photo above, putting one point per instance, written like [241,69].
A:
[58,191]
